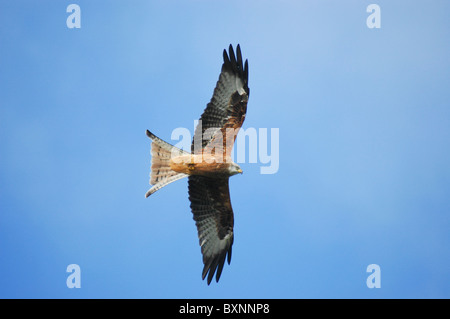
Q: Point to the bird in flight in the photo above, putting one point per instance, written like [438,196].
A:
[209,166]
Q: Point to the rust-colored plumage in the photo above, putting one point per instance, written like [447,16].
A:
[209,165]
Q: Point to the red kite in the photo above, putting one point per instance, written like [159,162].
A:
[209,165]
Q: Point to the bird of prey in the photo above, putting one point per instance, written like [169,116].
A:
[209,165]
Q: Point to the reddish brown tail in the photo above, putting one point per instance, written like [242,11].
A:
[161,174]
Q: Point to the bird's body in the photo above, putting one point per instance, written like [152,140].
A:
[209,165]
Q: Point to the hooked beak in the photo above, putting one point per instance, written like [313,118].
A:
[240,171]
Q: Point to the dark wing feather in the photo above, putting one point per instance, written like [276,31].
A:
[213,215]
[228,104]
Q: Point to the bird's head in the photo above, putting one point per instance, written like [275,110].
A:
[234,169]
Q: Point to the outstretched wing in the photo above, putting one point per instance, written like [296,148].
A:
[213,215]
[227,107]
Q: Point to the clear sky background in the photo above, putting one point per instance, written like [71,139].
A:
[364,124]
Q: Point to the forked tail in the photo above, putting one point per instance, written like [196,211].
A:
[161,174]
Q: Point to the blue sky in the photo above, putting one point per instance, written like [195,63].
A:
[364,124]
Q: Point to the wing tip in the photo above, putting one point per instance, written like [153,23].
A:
[234,62]
[214,265]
